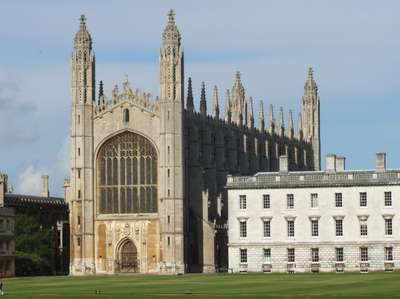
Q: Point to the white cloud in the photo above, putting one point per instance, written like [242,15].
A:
[29,181]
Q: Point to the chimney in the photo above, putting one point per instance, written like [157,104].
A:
[340,163]
[331,163]
[45,186]
[380,161]
[283,164]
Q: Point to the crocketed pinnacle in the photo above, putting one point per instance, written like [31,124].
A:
[290,125]
[82,37]
[300,133]
[189,99]
[310,85]
[101,90]
[215,103]
[271,119]
[203,103]
[171,33]
[281,122]
[228,111]
[261,120]
[250,117]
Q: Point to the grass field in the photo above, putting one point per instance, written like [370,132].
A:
[249,286]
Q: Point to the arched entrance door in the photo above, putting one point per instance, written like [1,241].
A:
[128,257]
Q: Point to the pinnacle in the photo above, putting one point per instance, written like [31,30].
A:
[83,21]
[310,73]
[237,76]
[171,16]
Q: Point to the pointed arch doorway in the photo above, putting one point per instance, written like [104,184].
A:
[128,260]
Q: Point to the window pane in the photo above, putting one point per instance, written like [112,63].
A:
[128,160]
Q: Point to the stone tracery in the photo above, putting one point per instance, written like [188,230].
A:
[127,175]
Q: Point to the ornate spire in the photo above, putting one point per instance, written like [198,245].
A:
[189,99]
[281,122]
[261,125]
[171,33]
[311,118]
[300,133]
[250,115]
[215,103]
[101,92]
[290,125]
[237,101]
[115,94]
[228,111]
[310,85]
[203,103]
[271,120]
[82,37]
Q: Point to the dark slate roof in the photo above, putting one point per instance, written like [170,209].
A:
[21,199]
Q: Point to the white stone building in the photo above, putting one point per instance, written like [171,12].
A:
[332,220]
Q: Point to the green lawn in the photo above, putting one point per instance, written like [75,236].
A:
[249,286]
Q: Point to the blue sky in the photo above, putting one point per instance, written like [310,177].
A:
[353,47]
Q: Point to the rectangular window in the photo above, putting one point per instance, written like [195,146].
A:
[314,200]
[243,255]
[267,253]
[267,228]
[291,255]
[79,220]
[338,200]
[315,255]
[388,199]
[363,229]
[290,201]
[314,228]
[388,253]
[339,227]
[339,254]
[242,202]
[79,173]
[266,201]
[363,199]
[78,241]
[364,254]
[290,228]
[388,227]
[243,229]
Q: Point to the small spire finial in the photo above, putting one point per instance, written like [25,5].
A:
[101,90]
[171,16]
[261,120]
[203,103]
[310,73]
[83,21]
[189,99]
[215,103]
[237,75]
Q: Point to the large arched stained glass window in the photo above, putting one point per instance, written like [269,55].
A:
[127,175]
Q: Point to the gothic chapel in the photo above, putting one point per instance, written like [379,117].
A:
[148,174]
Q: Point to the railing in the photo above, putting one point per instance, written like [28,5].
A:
[304,179]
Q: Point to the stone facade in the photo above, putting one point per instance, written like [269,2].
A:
[7,234]
[334,210]
[51,212]
[146,189]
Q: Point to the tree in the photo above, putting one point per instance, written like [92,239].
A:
[33,246]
